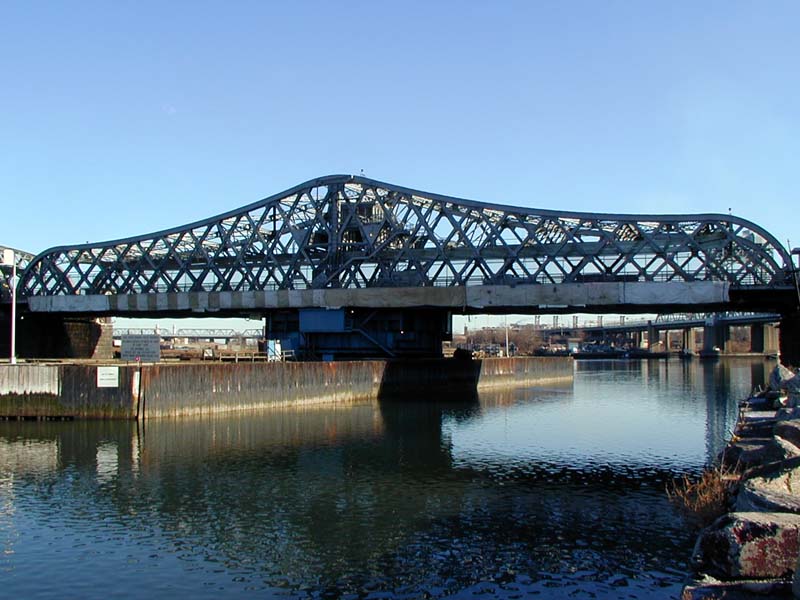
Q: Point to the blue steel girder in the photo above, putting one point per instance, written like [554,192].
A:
[345,231]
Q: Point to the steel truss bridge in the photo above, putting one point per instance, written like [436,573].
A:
[350,233]
[366,248]
[686,320]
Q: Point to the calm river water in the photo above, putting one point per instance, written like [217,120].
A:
[547,492]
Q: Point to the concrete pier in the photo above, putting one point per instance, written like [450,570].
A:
[58,336]
[790,339]
[130,391]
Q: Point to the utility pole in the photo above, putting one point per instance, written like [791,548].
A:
[9,258]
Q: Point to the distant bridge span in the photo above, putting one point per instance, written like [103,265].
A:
[684,322]
[388,265]
[350,241]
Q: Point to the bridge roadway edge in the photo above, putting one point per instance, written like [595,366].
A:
[72,390]
[479,298]
[599,297]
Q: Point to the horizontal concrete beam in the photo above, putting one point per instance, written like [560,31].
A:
[490,298]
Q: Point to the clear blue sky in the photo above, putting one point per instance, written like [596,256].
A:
[121,118]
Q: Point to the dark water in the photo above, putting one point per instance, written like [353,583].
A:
[543,492]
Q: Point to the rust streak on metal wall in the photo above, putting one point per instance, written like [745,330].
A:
[525,370]
[172,390]
[64,390]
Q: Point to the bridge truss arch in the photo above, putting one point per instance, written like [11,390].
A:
[345,231]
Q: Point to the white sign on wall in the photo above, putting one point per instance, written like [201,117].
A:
[107,377]
[141,348]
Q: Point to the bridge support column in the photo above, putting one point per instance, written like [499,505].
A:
[55,336]
[637,339]
[651,335]
[790,340]
[715,336]
[686,340]
[354,333]
[771,339]
[764,338]
[757,338]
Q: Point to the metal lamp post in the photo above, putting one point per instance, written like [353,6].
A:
[9,259]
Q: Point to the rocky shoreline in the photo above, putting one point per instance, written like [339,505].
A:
[751,552]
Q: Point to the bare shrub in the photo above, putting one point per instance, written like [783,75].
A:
[702,500]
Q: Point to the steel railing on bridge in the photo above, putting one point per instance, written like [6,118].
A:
[191,333]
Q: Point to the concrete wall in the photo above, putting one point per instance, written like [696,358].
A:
[170,390]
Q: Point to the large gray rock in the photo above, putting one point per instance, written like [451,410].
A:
[775,491]
[755,429]
[749,545]
[788,414]
[749,452]
[789,449]
[779,377]
[764,401]
[788,430]
[756,423]
[711,589]
[793,389]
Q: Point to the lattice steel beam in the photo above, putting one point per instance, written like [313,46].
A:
[351,232]
[193,333]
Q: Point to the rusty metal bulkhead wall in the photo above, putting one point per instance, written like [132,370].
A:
[129,391]
[525,370]
[66,390]
[196,389]
[175,390]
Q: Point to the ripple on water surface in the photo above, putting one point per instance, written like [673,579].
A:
[548,492]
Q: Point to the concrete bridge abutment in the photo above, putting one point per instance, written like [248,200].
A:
[59,336]
[715,336]
[764,339]
[790,339]
[652,335]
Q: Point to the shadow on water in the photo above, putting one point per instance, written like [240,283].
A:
[314,501]
[449,379]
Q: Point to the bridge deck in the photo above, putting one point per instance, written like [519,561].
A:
[488,298]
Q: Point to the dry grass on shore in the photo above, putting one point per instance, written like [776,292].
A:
[705,499]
